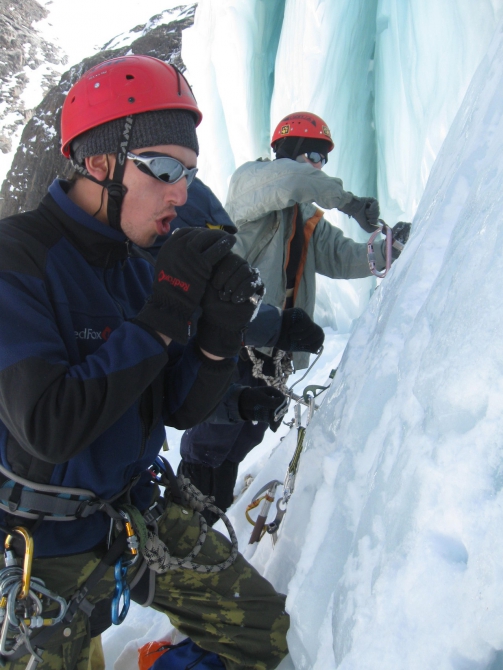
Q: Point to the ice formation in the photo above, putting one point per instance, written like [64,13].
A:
[391,548]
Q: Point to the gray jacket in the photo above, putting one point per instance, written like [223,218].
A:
[262,201]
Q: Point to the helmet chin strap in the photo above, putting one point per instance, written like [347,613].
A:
[115,188]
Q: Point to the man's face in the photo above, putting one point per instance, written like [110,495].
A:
[149,204]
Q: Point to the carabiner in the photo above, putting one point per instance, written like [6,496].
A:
[385,230]
[132,539]
[121,591]
[28,558]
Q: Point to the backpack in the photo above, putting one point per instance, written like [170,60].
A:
[183,656]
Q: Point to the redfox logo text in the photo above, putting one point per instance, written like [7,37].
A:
[90,334]
[162,276]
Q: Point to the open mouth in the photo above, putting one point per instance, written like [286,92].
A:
[163,226]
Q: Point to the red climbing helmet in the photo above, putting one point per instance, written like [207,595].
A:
[119,87]
[302,124]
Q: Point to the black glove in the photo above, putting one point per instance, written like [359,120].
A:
[401,232]
[230,302]
[260,404]
[183,268]
[298,332]
[365,211]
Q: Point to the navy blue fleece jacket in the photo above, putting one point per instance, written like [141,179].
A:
[84,392]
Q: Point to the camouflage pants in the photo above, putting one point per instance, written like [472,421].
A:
[235,613]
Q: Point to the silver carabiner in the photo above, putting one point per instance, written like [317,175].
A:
[371,258]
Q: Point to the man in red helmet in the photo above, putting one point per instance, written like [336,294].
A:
[97,355]
[284,235]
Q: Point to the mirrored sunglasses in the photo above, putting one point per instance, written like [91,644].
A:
[316,157]
[162,167]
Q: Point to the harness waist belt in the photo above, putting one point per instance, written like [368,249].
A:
[29,502]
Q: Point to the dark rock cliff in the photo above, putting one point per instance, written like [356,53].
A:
[38,159]
[21,49]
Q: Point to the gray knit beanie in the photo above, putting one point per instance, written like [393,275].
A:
[165,126]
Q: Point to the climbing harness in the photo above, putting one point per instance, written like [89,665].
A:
[385,230]
[27,620]
[267,493]
[25,624]
[283,368]
[24,498]
[30,500]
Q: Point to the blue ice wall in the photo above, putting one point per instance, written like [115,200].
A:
[388,76]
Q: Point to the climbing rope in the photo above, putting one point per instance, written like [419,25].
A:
[283,368]
[156,553]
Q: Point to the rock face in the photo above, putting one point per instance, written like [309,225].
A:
[21,47]
[38,160]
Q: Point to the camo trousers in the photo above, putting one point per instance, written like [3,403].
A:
[235,613]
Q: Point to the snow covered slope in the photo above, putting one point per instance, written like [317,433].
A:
[393,536]
[391,550]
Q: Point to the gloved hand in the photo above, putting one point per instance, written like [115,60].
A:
[183,268]
[260,404]
[298,332]
[401,232]
[230,302]
[365,211]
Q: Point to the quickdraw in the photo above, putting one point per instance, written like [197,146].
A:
[385,230]
[290,395]
[260,527]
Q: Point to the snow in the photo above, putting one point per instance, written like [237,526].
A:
[265,459]
[390,549]
[98,22]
